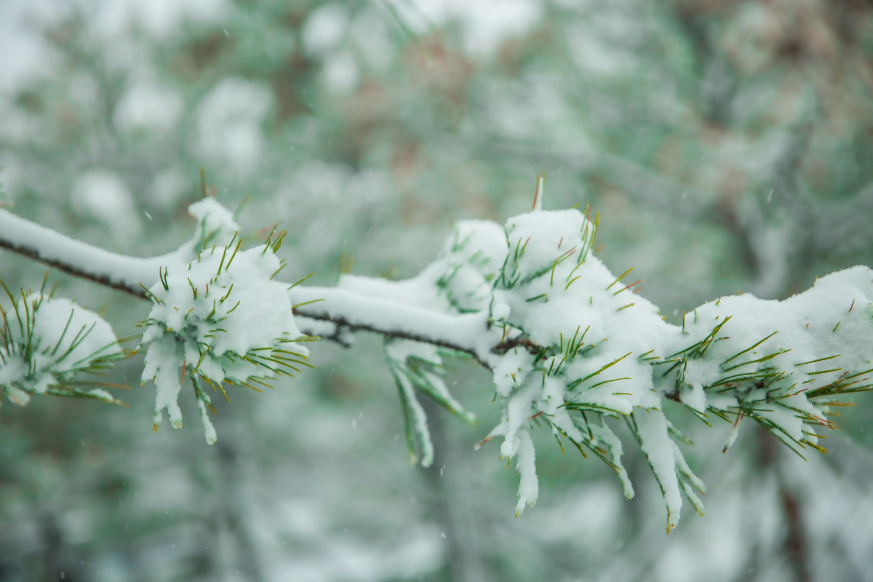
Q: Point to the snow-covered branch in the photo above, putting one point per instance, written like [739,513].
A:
[77,258]
[571,345]
[323,310]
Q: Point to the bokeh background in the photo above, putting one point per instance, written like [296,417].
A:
[726,144]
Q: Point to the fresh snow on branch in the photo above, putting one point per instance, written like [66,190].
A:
[572,347]
[586,347]
[81,259]
[221,319]
[323,311]
[47,342]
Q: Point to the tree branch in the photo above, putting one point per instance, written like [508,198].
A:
[467,333]
[77,258]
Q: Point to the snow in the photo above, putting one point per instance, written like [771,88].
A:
[250,273]
[787,356]
[208,429]
[435,304]
[162,365]
[604,349]
[101,394]
[418,421]
[69,352]
[467,332]
[470,332]
[651,426]
[511,370]
[732,437]
[55,248]
[423,362]
[605,437]
[46,341]
[223,318]
[528,489]
[518,411]
[214,222]
[459,280]
[593,332]
[693,396]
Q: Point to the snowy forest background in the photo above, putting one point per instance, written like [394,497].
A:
[727,145]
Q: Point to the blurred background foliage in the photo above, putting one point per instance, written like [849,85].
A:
[726,143]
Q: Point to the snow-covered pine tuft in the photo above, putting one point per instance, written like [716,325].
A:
[221,319]
[579,342]
[47,343]
[780,363]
